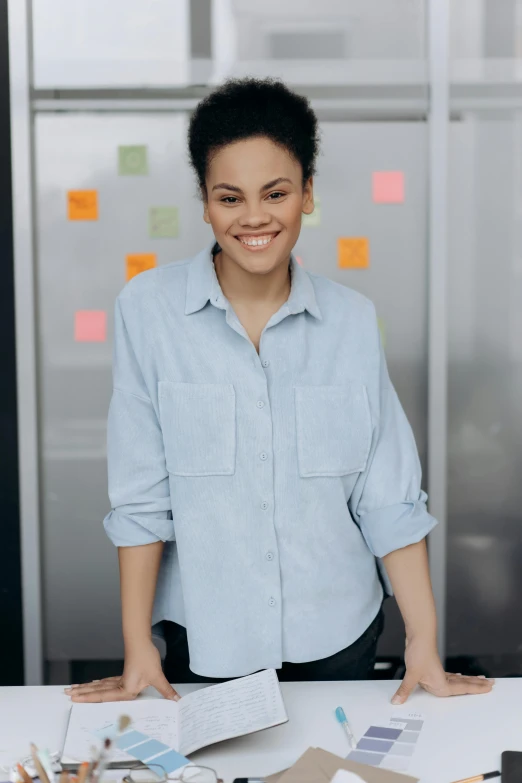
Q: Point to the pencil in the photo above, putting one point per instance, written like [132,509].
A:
[23,774]
[42,774]
[480,778]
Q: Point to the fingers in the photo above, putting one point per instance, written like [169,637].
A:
[101,695]
[459,686]
[165,688]
[87,686]
[407,686]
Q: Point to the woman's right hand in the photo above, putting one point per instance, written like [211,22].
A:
[142,668]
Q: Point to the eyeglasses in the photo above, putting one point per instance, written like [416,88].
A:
[154,773]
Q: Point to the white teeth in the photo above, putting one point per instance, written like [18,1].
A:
[256,242]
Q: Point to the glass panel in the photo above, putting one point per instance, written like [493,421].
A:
[82,267]
[121,43]
[485,387]
[352,39]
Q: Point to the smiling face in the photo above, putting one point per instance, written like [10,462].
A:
[254,201]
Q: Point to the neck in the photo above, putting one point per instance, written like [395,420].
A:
[244,287]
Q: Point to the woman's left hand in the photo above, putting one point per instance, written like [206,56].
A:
[424,668]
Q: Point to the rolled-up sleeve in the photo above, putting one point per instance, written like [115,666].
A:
[138,479]
[387,502]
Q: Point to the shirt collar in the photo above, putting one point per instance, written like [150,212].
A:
[203,286]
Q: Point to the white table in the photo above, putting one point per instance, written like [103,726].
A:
[462,736]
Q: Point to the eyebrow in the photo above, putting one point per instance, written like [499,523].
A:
[235,189]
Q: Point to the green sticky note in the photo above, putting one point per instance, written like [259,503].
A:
[382,330]
[315,218]
[163,222]
[132,161]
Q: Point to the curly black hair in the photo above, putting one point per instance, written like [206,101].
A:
[245,108]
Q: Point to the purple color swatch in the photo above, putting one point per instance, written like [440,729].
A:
[379,732]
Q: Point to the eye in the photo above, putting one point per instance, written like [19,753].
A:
[277,194]
[229,200]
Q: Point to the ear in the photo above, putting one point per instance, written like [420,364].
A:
[206,216]
[308,196]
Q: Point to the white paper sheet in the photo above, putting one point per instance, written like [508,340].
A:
[230,709]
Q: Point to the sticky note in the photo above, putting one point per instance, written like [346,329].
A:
[132,161]
[139,262]
[163,222]
[388,187]
[353,252]
[90,326]
[313,220]
[82,205]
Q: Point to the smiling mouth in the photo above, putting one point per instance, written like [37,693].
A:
[257,243]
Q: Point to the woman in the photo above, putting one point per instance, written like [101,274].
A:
[260,464]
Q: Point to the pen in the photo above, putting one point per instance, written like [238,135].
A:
[341,717]
[479,778]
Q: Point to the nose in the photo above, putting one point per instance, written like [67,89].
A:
[254,215]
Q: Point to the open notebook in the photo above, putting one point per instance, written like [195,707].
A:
[212,714]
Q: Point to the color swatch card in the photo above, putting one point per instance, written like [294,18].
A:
[313,220]
[82,205]
[163,222]
[139,262]
[132,161]
[390,744]
[353,252]
[164,732]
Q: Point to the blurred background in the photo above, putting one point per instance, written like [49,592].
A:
[420,105]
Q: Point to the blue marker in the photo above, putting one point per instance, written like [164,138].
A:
[341,717]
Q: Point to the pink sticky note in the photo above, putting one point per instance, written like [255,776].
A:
[388,187]
[299,260]
[90,326]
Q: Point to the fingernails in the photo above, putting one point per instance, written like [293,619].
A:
[482,676]
[396,700]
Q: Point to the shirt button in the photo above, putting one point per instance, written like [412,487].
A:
[271,602]
[260,404]
[265,362]
[264,505]
[269,556]
[263,456]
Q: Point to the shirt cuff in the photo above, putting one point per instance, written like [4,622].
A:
[394,527]
[130,530]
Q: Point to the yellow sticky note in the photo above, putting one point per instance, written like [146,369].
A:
[82,205]
[353,252]
[139,262]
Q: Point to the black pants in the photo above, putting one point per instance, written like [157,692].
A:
[355,662]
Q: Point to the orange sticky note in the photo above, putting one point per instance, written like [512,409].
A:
[139,262]
[82,205]
[90,326]
[388,187]
[353,252]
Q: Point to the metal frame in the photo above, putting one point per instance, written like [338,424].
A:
[23,222]
[438,34]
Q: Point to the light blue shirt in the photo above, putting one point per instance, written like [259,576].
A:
[276,478]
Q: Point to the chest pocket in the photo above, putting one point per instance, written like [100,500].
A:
[333,426]
[199,428]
